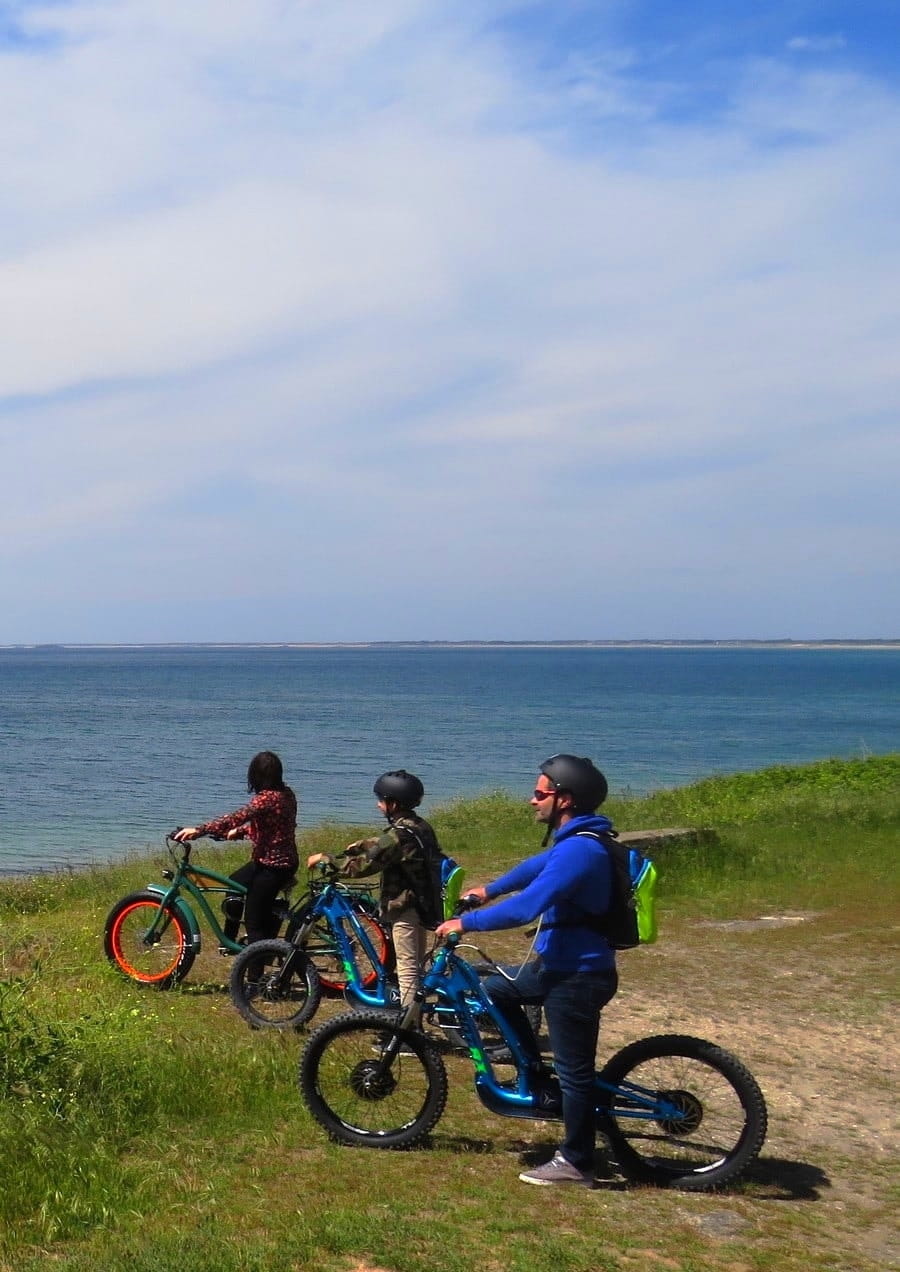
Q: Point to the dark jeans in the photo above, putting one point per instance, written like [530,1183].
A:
[572,1004]
[263,883]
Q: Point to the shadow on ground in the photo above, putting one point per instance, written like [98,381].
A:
[769,1178]
[781,1179]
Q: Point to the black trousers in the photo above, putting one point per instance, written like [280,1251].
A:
[263,883]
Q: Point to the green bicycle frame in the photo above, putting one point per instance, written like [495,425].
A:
[182,881]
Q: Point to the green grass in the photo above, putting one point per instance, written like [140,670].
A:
[147,1131]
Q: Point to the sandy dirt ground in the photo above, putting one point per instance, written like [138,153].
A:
[809,1004]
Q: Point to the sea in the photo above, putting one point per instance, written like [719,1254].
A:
[103,750]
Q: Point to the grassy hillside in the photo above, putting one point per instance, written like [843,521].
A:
[145,1130]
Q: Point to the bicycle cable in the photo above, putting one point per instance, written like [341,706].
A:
[512,979]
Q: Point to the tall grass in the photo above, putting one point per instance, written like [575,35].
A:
[108,1093]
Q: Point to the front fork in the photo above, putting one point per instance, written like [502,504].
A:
[408,1020]
[168,904]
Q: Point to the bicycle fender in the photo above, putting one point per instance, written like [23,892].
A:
[184,911]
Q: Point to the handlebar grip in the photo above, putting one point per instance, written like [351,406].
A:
[185,846]
[467,902]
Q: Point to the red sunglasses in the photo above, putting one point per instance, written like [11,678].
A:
[542,795]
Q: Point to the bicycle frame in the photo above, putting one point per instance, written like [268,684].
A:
[455,983]
[332,905]
[187,878]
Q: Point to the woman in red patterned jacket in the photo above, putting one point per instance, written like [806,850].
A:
[270,821]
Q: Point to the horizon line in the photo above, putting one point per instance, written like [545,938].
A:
[585,643]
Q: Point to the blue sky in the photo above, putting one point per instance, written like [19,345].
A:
[333,321]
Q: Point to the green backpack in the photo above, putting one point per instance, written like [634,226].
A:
[631,918]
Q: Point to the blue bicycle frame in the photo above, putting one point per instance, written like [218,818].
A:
[456,983]
[332,906]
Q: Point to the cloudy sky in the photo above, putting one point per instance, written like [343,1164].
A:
[337,320]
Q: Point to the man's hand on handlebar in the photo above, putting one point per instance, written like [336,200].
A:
[323,859]
[184,834]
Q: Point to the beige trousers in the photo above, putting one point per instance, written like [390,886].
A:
[409,946]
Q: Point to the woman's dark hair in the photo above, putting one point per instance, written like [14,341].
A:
[265,773]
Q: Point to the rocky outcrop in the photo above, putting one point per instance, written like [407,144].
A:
[650,840]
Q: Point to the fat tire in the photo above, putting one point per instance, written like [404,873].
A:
[248,992]
[116,930]
[356,1031]
[668,1157]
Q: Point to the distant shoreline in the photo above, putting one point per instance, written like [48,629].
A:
[836,643]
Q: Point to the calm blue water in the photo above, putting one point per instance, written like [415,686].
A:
[104,750]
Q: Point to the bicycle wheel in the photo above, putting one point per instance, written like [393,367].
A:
[719,1124]
[161,961]
[358,1096]
[323,951]
[274,986]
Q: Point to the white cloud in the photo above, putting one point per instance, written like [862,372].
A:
[816,43]
[267,272]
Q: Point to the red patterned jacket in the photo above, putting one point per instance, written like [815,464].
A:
[270,821]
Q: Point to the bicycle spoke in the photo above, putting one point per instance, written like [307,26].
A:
[363,1093]
[706,1121]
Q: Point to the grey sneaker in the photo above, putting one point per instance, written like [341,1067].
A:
[558,1171]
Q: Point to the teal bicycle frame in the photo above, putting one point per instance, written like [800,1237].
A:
[154,936]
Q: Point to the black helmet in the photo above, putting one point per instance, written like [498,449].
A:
[579,778]
[400,787]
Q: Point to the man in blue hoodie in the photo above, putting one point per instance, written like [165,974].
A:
[573,973]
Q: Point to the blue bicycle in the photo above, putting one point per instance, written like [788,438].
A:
[334,939]
[677,1111]
[333,943]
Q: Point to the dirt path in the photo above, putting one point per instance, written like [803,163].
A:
[809,1004]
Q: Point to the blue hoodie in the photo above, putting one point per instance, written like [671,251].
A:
[574,875]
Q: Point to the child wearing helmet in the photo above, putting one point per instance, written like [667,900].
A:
[408,858]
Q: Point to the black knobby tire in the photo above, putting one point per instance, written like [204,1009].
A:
[720,1124]
[160,963]
[356,1097]
[274,986]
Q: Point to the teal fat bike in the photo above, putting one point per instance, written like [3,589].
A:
[677,1111]
[153,936]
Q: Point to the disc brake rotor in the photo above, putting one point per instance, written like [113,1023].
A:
[370,1082]
[689,1116]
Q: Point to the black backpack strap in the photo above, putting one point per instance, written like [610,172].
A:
[592,922]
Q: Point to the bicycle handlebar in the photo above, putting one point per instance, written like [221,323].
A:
[328,869]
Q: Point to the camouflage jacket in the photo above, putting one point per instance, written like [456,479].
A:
[408,858]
